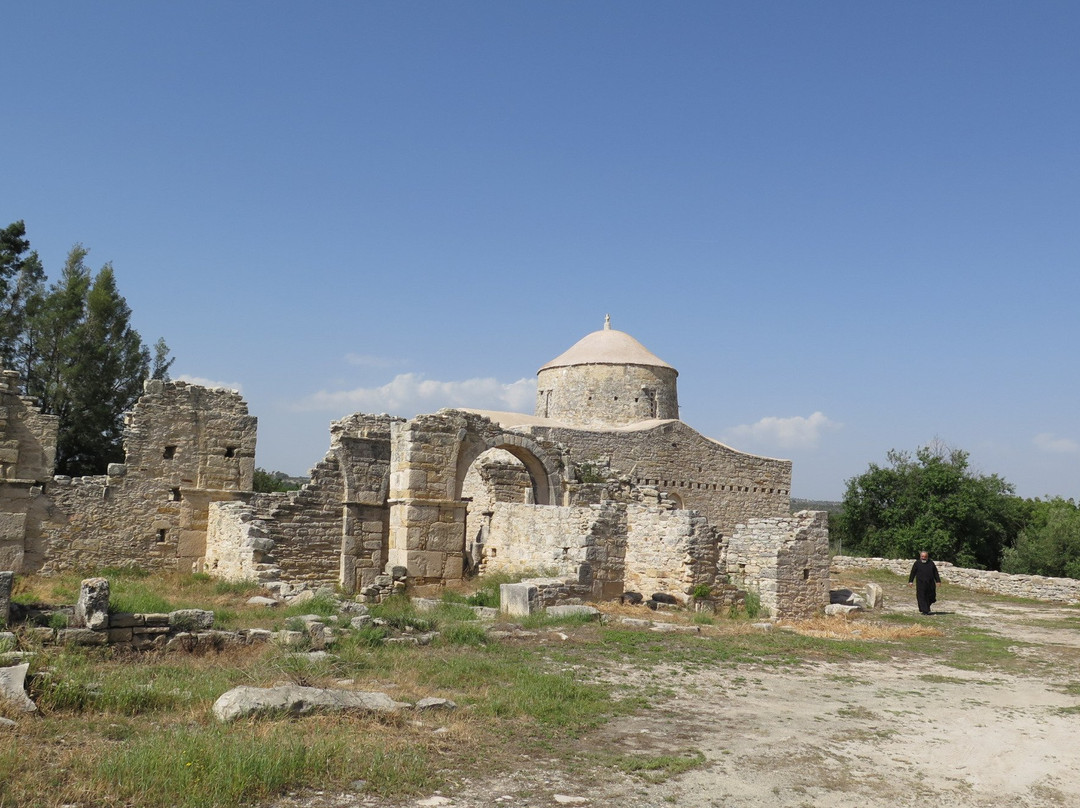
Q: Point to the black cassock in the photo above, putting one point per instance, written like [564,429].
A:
[926,578]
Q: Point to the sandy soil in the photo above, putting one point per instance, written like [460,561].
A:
[867,734]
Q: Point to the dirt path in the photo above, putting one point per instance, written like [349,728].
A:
[867,734]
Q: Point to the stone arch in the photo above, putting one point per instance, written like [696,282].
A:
[541,464]
[430,456]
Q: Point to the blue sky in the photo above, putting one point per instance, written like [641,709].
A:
[852,226]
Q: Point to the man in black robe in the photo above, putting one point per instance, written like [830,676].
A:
[925,575]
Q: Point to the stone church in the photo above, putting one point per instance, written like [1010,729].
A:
[603,489]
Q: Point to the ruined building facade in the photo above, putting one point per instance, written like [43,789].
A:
[603,488]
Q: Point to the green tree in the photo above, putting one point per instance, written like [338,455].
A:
[268,482]
[1050,543]
[86,364]
[931,502]
[162,361]
[21,278]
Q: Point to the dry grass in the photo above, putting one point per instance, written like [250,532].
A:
[846,628]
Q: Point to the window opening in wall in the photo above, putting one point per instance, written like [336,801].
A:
[230,451]
[161,536]
[174,494]
[806,574]
[169,453]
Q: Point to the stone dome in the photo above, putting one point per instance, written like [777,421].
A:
[607,379]
[607,347]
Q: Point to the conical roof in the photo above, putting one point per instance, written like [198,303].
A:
[607,347]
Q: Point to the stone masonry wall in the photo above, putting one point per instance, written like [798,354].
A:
[725,485]
[27,438]
[238,545]
[784,559]
[189,436]
[586,544]
[27,452]
[186,446]
[1036,587]
[306,526]
[606,395]
[669,551]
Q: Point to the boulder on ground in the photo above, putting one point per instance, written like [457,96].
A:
[244,701]
[13,687]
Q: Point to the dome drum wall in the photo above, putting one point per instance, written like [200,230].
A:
[606,395]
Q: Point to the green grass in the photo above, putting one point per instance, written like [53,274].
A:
[214,765]
[658,768]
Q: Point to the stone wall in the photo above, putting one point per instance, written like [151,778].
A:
[1036,587]
[27,438]
[606,395]
[189,436]
[430,459]
[552,540]
[185,447]
[725,485]
[27,453]
[669,551]
[238,544]
[785,560]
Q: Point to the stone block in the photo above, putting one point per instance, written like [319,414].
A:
[81,636]
[7,581]
[125,620]
[92,608]
[875,596]
[454,567]
[13,687]
[191,619]
[12,527]
[518,600]
[119,635]
[191,544]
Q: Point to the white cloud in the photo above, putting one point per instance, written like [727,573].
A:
[369,361]
[1049,442]
[199,380]
[787,433]
[410,393]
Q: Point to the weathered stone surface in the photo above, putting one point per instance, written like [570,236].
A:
[572,611]
[841,609]
[875,596]
[12,687]
[518,600]
[7,580]
[433,703]
[191,620]
[241,702]
[92,608]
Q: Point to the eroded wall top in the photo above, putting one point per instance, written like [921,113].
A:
[191,436]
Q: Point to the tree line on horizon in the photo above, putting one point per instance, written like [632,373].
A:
[934,501]
[73,346]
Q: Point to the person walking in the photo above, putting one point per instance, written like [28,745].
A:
[925,576]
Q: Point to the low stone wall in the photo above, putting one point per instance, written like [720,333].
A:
[659,556]
[1036,587]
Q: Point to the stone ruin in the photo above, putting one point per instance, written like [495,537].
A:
[603,489]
